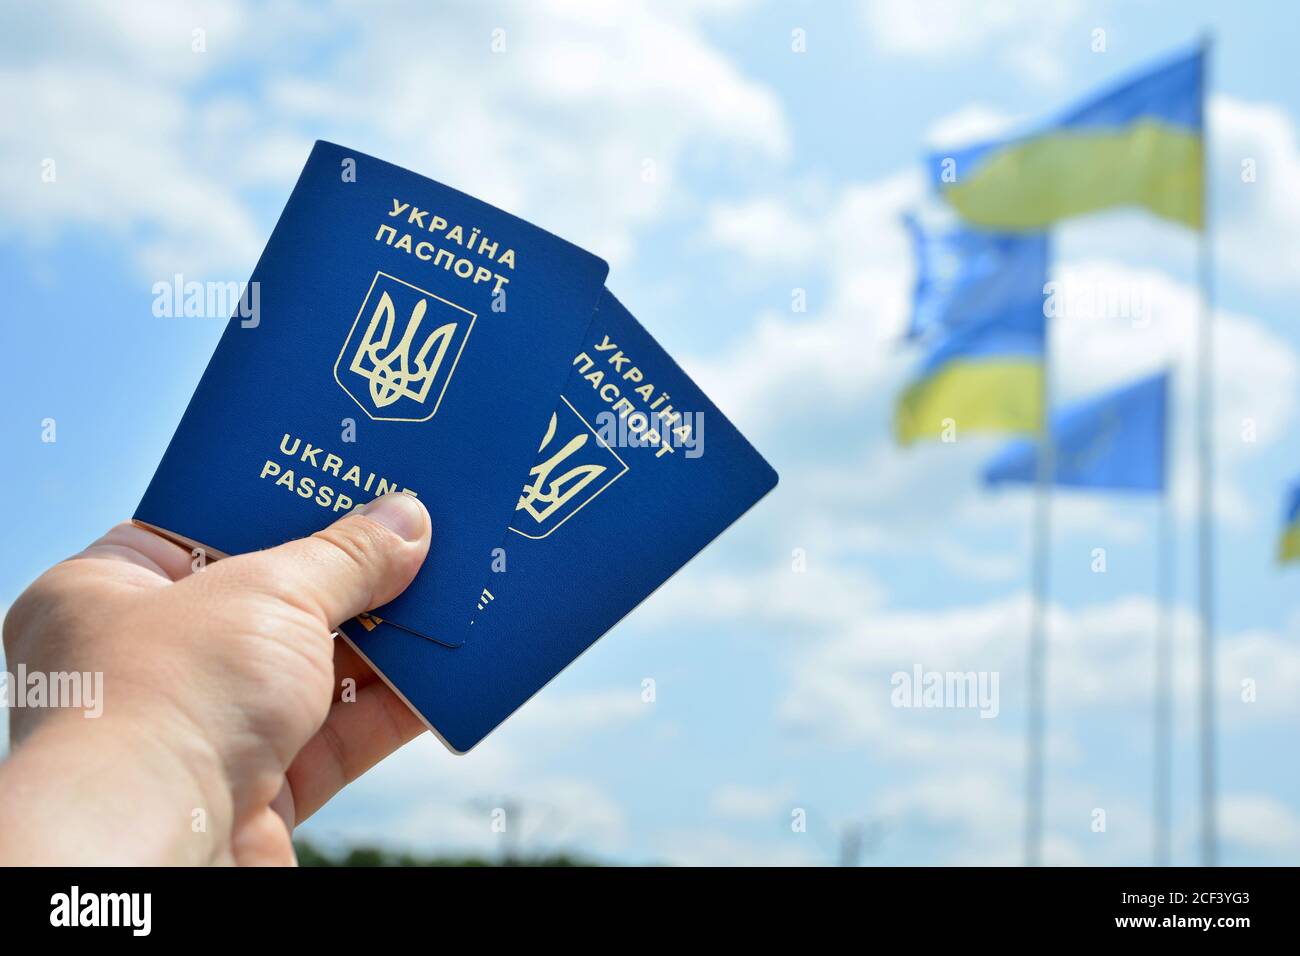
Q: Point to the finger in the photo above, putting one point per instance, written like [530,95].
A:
[263,840]
[354,737]
[360,562]
[132,544]
[282,806]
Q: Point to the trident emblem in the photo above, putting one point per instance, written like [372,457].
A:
[575,465]
[553,493]
[403,367]
[392,375]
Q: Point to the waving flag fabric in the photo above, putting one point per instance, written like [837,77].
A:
[964,275]
[1115,442]
[1139,145]
[987,376]
[1289,547]
[979,312]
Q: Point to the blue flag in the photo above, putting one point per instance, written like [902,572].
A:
[1115,441]
[967,275]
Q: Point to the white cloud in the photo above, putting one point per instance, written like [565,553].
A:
[826,594]
[119,150]
[753,804]
[985,808]
[154,38]
[1014,32]
[972,123]
[979,565]
[792,363]
[150,153]
[1258,822]
[573,713]
[1256,224]
[692,847]
[1102,660]
[970,800]
[1269,660]
[423,797]
[841,685]
[551,815]
[763,230]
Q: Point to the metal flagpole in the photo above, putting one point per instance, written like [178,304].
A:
[1164,673]
[1205,489]
[1036,662]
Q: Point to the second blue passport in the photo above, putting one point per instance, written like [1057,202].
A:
[402,336]
[637,472]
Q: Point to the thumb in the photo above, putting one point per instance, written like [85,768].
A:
[363,560]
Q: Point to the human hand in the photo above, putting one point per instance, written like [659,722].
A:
[222,693]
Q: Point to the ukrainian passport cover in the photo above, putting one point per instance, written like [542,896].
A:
[637,471]
[407,337]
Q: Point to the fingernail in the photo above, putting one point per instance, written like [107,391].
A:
[400,513]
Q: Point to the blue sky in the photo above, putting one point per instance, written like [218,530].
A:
[718,171]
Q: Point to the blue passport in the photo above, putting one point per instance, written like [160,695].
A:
[396,335]
[636,473]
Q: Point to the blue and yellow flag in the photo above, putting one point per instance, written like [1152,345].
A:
[964,275]
[1115,442]
[987,376]
[1289,547]
[1139,145]
[980,315]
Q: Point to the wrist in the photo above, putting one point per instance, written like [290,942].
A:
[114,790]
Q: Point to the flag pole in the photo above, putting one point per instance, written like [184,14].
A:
[1036,662]
[1205,489]
[1163,695]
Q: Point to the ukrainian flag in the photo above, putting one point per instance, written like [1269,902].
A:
[1289,547]
[978,307]
[987,376]
[1139,145]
